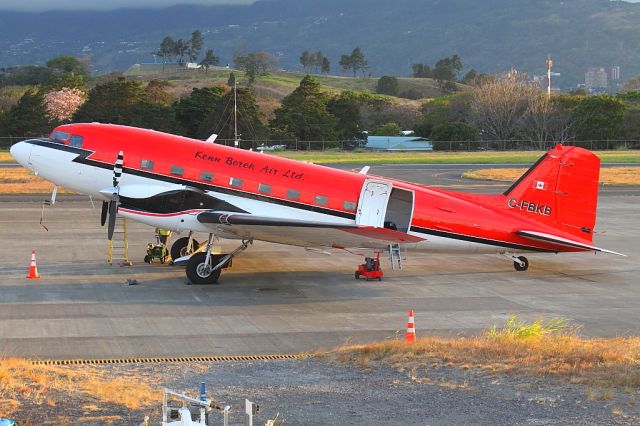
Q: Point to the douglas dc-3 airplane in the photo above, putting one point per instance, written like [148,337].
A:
[183,184]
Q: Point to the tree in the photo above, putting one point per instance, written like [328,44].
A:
[387,85]
[255,64]
[60,105]
[444,134]
[27,117]
[469,77]
[9,96]
[231,82]
[181,48]
[356,61]
[632,85]
[346,109]
[388,129]
[303,114]
[157,93]
[497,108]
[167,50]
[67,65]
[112,102]
[220,118]
[209,60]
[195,45]
[305,60]
[69,80]
[325,66]
[598,117]
[192,110]
[421,71]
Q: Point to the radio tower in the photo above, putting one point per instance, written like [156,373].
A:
[549,65]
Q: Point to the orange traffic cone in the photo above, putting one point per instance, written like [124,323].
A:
[410,336]
[33,269]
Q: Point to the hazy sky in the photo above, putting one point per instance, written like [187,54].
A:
[40,5]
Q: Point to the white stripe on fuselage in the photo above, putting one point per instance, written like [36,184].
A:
[58,167]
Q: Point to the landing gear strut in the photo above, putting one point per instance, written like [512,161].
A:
[520,263]
[205,268]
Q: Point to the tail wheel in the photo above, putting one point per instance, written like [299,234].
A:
[524,266]
[199,272]
[179,247]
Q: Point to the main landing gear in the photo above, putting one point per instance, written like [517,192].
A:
[205,267]
[520,263]
[184,246]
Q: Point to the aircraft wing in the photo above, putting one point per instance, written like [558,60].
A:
[549,238]
[302,232]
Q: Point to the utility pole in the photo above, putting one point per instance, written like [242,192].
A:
[549,65]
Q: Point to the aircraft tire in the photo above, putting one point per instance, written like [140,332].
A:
[195,268]
[519,267]
[179,247]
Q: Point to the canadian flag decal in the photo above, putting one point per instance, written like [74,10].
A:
[538,184]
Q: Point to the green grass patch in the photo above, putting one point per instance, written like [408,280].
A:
[517,329]
[5,157]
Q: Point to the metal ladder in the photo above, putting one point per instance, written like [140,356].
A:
[395,256]
[118,247]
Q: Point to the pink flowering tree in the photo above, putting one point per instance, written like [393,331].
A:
[60,105]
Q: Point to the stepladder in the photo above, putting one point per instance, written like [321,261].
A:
[118,246]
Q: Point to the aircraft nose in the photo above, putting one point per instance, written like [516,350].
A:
[21,152]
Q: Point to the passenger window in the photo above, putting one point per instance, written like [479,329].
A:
[146,164]
[264,188]
[236,182]
[292,194]
[177,171]
[206,176]
[321,200]
[350,206]
[60,136]
[76,141]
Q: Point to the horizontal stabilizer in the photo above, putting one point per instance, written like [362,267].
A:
[549,238]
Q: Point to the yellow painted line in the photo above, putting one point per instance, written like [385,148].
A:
[218,358]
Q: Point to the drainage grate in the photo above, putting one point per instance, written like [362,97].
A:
[223,358]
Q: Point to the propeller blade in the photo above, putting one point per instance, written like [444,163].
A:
[117,169]
[113,211]
[103,214]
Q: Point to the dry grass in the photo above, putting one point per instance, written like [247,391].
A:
[21,181]
[5,157]
[44,385]
[518,349]
[622,176]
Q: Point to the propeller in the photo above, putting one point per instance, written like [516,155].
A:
[103,214]
[110,208]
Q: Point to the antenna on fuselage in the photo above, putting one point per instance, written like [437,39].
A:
[212,138]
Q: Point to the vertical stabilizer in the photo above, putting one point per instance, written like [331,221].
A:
[561,190]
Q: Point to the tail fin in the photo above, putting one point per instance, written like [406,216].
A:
[561,190]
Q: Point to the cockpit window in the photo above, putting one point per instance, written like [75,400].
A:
[76,141]
[60,136]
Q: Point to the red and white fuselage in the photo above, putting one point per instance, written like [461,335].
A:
[182,184]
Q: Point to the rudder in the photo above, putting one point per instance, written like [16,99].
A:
[561,190]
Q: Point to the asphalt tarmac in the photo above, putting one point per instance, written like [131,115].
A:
[279,299]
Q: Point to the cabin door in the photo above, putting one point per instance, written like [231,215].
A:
[372,205]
